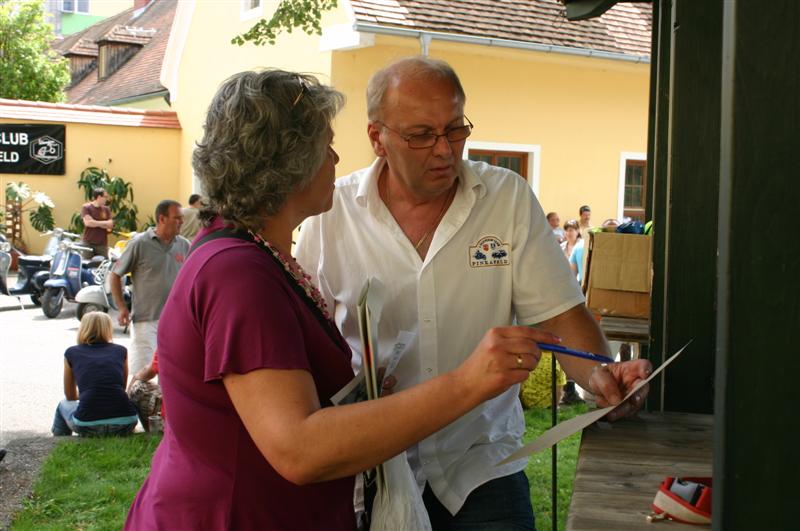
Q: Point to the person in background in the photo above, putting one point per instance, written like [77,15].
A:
[576,259]
[153,258]
[584,221]
[610,225]
[97,223]
[191,219]
[248,365]
[572,236]
[462,246]
[573,248]
[95,371]
[555,223]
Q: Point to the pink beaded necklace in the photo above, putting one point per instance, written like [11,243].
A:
[302,278]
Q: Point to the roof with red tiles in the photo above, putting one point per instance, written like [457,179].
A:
[624,29]
[139,76]
[87,114]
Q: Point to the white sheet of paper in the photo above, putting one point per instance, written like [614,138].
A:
[401,346]
[355,390]
[575,424]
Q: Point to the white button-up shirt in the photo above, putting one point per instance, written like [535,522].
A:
[493,261]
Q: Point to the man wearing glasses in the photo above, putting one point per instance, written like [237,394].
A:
[462,247]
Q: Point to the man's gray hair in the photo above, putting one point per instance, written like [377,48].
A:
[266,136]
[417,67]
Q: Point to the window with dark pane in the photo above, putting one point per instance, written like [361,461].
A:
[635,189]
[513,160]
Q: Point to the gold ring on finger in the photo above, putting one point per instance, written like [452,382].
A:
[519,362]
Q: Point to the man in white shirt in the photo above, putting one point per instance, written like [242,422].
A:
[461,247]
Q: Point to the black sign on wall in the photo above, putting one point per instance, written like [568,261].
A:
[28,148]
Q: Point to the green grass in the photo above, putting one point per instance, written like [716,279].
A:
[88,484]
[537,421]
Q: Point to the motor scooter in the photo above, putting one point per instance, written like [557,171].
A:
[68,274]
[98,298]
[33,270]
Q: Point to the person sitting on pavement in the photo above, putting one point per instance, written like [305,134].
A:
[95,371]
[153,258]
[97,224]
[146,393]
[249,361]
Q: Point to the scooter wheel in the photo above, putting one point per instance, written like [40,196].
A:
[86,307]
[52,301]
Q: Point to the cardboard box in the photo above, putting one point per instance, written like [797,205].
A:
[619,274]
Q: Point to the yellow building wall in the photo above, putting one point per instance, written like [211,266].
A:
[582,112]
[209,58]
[146,157]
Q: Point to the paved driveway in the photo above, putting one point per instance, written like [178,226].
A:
[32,366]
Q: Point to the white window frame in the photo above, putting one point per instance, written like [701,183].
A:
[624,157]
[75,7]
[246,13]
[534,152]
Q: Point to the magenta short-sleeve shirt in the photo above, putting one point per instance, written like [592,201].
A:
[232,310]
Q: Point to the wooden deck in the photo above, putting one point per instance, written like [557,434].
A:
[621,466]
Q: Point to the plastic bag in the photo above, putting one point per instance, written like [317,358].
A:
[399,504]
[631,227]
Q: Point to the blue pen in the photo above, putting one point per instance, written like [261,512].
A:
[576,353]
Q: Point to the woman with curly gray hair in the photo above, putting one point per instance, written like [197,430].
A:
[249,356]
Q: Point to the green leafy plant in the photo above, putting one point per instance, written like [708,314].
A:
[304,14]
[123,209]
[19,198]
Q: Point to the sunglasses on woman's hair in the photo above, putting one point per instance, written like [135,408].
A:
[304,87]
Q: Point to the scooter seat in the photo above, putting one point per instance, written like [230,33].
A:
[94,262]
[35,260]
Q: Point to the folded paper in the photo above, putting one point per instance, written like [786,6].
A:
[575,424]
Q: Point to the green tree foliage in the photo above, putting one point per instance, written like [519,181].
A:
[304,14]
[29,68]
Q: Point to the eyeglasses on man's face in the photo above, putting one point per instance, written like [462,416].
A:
[428,140]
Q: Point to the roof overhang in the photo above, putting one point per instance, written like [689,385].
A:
[426,36]
[583,9]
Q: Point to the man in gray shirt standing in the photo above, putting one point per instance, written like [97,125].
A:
[153,258]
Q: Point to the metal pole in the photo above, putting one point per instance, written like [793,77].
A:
[554,449]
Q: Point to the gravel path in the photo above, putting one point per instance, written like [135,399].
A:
[18,472]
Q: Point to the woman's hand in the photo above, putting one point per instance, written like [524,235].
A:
[611,383]
[504,357]
[387,387]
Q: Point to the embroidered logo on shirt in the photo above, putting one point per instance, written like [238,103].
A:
[489,251]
